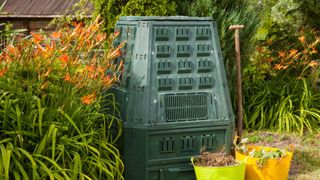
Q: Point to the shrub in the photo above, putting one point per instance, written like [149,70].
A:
[111,10]
[281,89]
[52,125]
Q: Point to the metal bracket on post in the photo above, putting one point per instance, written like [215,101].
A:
[239,85]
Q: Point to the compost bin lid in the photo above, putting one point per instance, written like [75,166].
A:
[164,18]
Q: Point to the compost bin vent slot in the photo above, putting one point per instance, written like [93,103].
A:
[208,141]
[187,143]
[166,145]
[186,107]
[162,34]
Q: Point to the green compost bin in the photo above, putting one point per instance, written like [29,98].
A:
[173,96]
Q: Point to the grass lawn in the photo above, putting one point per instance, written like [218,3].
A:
[306,159]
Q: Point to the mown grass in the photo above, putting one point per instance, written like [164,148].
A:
[305,164]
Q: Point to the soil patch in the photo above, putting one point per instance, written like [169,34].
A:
[276,140]
[215,159]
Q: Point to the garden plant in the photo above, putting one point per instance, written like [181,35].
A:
[282,87]
[55,113]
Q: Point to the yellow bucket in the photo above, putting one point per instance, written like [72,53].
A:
[274,169]
[220,173]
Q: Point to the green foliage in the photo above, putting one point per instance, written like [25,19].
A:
[285,13]
[182,6]
[227,13]
[283,18]
[263,154]
[284,105]
[41,141]
[51,120]
[281,88]
[8,34]
[111,10]
[148,8]
[311,12]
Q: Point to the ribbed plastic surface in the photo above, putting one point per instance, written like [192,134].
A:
[168,57]
[164,154]
[173,95]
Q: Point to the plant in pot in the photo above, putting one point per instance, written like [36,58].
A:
[219,165]
[265,163]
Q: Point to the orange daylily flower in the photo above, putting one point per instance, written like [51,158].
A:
[88,99]
[36,37]
[87,41]
[278,67]
[50,47]
[11,49]
[77,30]
[100,37]
[90,68]
[313,64]
[281,54]
[64,58]
[3,71]
[67,77]
[106,79]
[314,50]
[115,53]
[293,52]
[302,39]
[101,69]
[55,35]
[77,24]
[116,33]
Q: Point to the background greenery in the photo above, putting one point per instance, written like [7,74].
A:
[111,10]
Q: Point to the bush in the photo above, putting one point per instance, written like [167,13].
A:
[52,125]
[281,89]
[111,10]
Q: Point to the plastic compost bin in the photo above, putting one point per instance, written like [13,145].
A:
[173,96]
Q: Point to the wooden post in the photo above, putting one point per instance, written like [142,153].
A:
[239,85]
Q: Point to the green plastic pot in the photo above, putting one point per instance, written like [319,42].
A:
[236,172]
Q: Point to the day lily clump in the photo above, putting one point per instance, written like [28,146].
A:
[71,56]
[306,57]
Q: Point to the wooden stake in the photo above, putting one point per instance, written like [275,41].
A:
[239,85]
